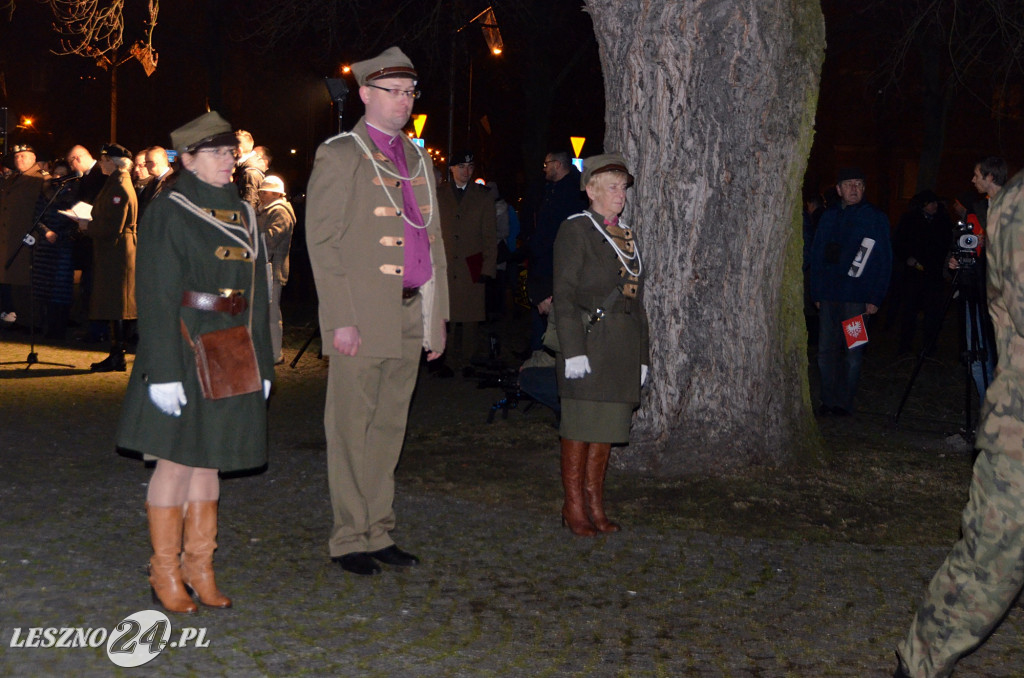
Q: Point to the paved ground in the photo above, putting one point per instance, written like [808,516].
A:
[503,590]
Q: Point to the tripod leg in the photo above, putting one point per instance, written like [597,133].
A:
[928,344]
[316,332]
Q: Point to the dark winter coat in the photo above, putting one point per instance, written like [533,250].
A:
[836,246]
[112,230]
[18,195]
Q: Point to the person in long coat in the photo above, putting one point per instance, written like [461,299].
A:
[18,195]
[276,219]
[113,233]
[202,268]
[468,226]
[603,340]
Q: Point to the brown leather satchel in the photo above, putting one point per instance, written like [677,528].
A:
[225,362]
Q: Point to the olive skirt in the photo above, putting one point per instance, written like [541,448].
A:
[594,421]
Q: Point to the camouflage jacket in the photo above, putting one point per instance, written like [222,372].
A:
[1002,428]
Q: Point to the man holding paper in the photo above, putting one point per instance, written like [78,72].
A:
[851,261]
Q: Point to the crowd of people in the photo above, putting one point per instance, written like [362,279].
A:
[83,214]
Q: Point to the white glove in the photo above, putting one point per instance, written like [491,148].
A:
[577,367]
[266,389]
[643,374]
[169,397]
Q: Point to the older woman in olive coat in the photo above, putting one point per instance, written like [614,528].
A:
[603,337]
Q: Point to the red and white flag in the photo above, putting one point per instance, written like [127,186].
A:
[855,331]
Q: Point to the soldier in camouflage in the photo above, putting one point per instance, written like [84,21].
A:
[984,572]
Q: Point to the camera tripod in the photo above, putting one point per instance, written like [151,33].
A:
[976,340]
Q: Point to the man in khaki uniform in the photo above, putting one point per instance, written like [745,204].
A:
[378,261]
[468,225]
[984,572]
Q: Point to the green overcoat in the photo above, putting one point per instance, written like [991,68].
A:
[178,251]
[587,269]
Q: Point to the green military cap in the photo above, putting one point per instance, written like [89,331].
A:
[391,63]
[607,162]
[207,130]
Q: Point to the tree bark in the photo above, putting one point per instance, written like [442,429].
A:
[712,102]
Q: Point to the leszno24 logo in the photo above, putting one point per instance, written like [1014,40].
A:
[142,636]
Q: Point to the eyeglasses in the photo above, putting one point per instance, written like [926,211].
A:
[551,162]
[396,93]
[221,153]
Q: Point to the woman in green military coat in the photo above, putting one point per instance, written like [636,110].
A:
[602,337]
[202,267]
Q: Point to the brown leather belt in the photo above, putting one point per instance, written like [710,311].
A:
[205,301]
[410,292]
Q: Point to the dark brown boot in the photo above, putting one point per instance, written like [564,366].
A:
[200,543]
[593,485]
[165,523]
[574,516]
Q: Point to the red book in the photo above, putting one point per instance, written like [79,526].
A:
[475,262]
[855,331]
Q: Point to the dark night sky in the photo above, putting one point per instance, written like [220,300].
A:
[280,96]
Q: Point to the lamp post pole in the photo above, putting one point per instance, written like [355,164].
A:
[451,81]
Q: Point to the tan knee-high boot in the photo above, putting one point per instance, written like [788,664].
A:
[165,524]
[200,543]
[574,454]
[593,485]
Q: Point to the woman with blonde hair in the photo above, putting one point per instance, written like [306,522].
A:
[602,336]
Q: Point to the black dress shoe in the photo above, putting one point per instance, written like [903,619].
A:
[112,363]
[358,563]
[392,555]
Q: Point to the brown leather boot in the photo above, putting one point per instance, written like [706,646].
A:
[574,516]
[593,486]
[200,543]
[165,565]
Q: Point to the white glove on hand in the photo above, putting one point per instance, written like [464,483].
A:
[643,374]
[169,397]
[577,367]
[266,389]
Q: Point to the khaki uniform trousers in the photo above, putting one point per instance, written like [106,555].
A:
[364,420]
[981,576]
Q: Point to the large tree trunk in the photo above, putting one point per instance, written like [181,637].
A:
[712,102]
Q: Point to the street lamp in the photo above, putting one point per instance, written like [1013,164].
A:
[492,34]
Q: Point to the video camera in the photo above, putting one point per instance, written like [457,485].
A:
[967,241]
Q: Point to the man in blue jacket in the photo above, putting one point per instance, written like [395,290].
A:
[851,260]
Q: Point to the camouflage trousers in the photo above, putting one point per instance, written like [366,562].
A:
[981,576]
